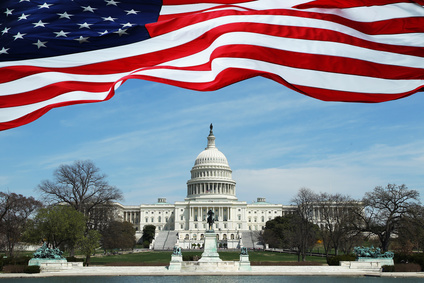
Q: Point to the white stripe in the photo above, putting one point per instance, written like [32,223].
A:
[311,78]
[361,14]
[295,76]
[300,45]
[12,113]
[376,13]
[253,5]
[40,80]
[191,32]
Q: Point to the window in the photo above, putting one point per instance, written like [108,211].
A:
[182,217]
[153,220]
[159,219]
[239,217]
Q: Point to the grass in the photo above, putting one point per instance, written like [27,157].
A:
[163,258]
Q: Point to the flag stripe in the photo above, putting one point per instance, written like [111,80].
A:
[350,4]
[365,53]
[9,87]
[293,42]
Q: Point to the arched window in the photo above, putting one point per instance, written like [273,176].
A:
[232,236]
[159,219]
[153,220]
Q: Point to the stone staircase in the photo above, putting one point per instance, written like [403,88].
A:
[165,240]
[246,237]
[250,240]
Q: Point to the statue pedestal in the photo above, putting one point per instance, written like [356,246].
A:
[210,253]
[382,261]
[39,261]
[176,262]
[244,263]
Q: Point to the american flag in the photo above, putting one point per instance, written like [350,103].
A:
[62,52]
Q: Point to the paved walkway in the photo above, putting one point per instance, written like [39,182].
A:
[256,270]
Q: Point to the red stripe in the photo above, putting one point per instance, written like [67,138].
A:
[184,2]
[51,91]
[390,26]
[342,4]
[345,96]
[226,78]
[325,63]
[40,112]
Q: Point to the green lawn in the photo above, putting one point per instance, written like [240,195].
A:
[165,257]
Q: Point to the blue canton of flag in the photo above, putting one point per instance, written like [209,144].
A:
[42,28]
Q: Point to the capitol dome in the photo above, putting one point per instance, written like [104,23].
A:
[211,174]
[211,155]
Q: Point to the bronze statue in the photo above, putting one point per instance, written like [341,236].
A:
[47,253]
[210,219]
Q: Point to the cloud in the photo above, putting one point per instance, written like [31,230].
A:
[351,173]
[281,185]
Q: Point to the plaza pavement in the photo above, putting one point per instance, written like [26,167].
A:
[256,270]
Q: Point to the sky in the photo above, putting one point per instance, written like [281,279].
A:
[147,137]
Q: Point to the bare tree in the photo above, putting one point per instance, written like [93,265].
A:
[385,208]
[14,212]
[337,214]
[411,231]
[83,187]
[305,200]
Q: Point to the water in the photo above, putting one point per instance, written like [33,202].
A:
[210,279]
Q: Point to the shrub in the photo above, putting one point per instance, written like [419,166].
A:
[407,267]
[410,258]
[11,268]
[335,260]
[388,268]
[19,268]
[32,269]
[187,257]
[74,259]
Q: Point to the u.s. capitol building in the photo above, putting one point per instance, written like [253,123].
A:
[211,187]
